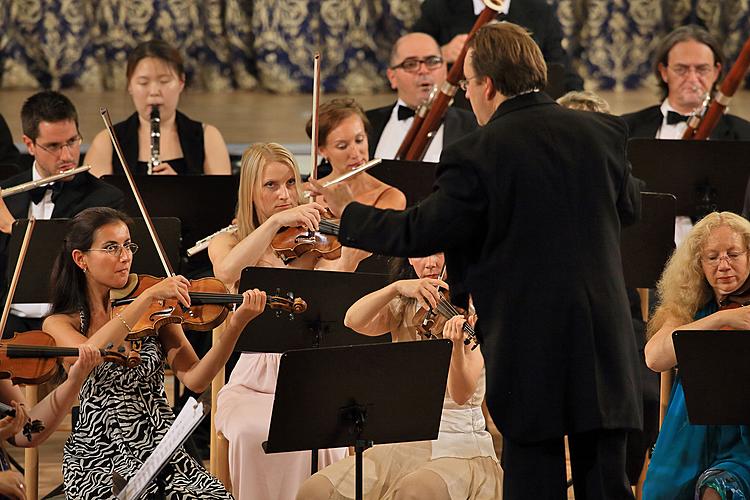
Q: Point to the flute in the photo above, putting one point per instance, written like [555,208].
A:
[203,244]
[28,186]
[351,173]
[155,138]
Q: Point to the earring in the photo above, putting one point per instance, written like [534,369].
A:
[84,269]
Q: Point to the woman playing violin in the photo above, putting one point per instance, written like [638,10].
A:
[710,265]
[269,199]
[124,411]
[156,77]
[461,463]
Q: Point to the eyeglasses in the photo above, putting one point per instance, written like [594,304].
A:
[732,258]
[684,69]
[55,149]
[411,64]
[464,84]
[115,249]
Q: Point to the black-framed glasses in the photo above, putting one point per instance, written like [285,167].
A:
[411,64]
[115,249]
[464,84]
[55,149]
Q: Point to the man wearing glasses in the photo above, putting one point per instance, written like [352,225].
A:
[415,67]
[689,61]
[50,132]
[530,206]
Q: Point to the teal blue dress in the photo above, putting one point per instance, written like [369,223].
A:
[688,458]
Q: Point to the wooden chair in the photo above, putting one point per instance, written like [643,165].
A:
[219,458]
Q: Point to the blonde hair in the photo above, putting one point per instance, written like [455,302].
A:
[254,159]
[683,288]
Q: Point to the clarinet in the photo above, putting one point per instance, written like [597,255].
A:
[155,137]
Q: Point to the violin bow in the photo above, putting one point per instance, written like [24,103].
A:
[315,108]
[17,272]
[141,205]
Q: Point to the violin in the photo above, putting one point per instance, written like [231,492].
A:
[431,321]
[31,357]
[293,242]
[209,305]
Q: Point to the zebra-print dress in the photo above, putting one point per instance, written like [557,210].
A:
[124,414]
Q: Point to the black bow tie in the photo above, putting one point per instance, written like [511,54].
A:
[674,118]
[404,112]
[37,194]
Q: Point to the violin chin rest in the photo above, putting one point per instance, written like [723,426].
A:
[121,293]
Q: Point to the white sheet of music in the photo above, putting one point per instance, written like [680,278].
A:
[191,414]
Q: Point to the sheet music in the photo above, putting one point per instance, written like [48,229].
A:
[188,419]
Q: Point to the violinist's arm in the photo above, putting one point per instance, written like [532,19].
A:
[99,155]
[370,315]
[659,351]
[53,408]
[196,374]
[114,331]
[229,258]
[466,364]
[217,156]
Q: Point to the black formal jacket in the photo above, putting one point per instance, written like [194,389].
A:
[528,210]
[458,122]
[646,122]
[444,19]
[9,156]
[83,191]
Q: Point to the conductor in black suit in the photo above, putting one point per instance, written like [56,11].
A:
[528,210]
[50,133]
[415,67]
[448,21]
[687,65]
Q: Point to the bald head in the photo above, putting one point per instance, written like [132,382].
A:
[413,84]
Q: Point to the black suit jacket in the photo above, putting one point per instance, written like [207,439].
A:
[82,192]
[444,19]
[646,122]
[458,122]
[10,159]
[528,210]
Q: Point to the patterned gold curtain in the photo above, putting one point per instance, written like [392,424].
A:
[242,43]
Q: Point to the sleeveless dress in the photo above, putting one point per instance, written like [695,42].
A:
[462,456]
[124,414]
[688,458]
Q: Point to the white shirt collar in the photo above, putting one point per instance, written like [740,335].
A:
[479,7]
[667,131]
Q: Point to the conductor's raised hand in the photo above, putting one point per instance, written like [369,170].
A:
[253,303]
[174,287]
[307,215]
[337,196]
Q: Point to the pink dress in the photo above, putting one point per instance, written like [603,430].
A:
[243,414]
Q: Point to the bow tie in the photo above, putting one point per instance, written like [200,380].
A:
[37,194]
[674,118]
[404,112]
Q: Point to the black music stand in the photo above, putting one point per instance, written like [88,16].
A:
[204,204]
[714,369]
[646,245]
[703,175]
[358,396]
[46,241]
[328,295]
